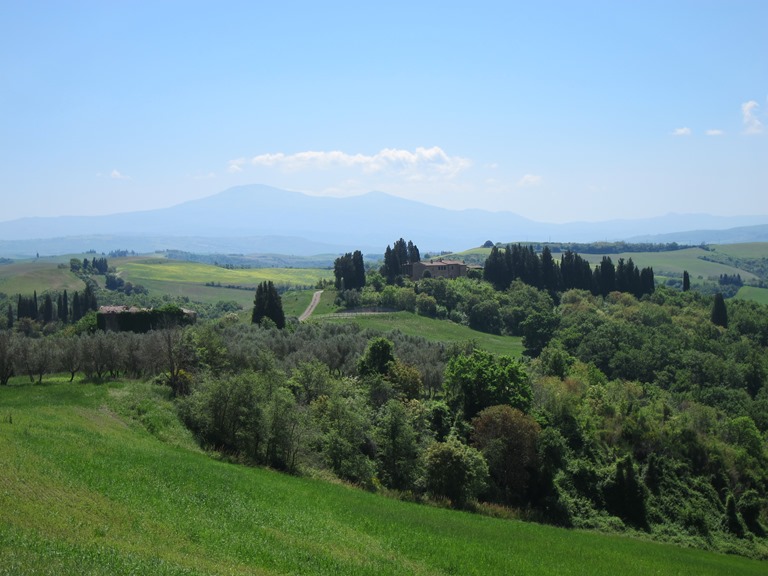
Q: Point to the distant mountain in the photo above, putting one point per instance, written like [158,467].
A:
[257,218]
[737,235]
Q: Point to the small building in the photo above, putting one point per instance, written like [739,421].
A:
[134,319]
[437,268]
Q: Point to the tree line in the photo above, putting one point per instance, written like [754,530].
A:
[516,262]
[47,311]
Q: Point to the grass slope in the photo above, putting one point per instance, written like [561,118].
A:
[26,277]
[103,480]
[745,250]
[431,329]
[759,295]
[178,278]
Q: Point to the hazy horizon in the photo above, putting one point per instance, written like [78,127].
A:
[557,112]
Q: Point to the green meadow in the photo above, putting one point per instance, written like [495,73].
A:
[759,295]
[432,329]
[28,276]
[102,479]
[745,250]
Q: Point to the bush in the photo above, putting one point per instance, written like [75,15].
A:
[454,471]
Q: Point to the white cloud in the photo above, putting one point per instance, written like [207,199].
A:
[529,181]
[116,175]
[421,164]
[752,124]
[714,132]
[236,166]
[681,132]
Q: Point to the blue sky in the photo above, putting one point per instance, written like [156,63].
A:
[558,111]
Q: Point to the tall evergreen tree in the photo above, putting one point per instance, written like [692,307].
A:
[77,310]
[549,271]
[606,276]
[349,271]
[268,304]
[358,266]
[719,311]
[413,253]
[64,308]
[647,281]
[47,311]
[686,281]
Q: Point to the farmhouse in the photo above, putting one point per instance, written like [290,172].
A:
[437,268]
[134,319]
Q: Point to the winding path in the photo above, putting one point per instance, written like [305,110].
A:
[312,305]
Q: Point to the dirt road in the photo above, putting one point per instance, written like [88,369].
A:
[312,305]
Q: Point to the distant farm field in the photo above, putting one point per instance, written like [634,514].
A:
[104,480]
[177,278]
[746,250]
[26,277]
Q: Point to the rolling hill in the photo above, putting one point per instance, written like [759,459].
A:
[103,479]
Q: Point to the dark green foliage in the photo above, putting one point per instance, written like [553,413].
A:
[377,358]
[625,495]
[538,329]
[732,519]
[507,439]
[719,314]
[454,471]
[26,307]
[479,380]
[268,304]
[485,316]
[396,447]
[397,259]
[516,262]
[344,422]
[7,355]
[686,281]
[349,271]
[749,506]
[144,320]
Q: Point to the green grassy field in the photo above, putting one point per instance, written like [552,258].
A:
[746,250]
[294,301]
[102,479]
[434,330]
[26,277]
[175,277]
[177,271]
[759,295]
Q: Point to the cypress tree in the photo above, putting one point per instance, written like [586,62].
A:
[268,304]
[358,267]
[47,312]
[607,276]
[686,281]
[64,308]
[719,311]
[77,311]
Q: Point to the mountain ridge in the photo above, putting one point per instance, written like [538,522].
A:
[369,220]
